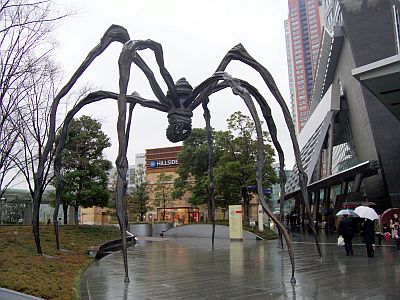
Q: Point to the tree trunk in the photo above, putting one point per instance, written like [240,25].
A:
[164,204]
[35,220]
[76,216]
[65,213]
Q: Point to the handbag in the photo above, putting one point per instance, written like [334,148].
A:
[340,241]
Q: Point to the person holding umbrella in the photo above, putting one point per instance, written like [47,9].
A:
[369,236]
[345,229]
[368,227]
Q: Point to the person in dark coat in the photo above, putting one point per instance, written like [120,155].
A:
[330,223]
[369,236]
[345,229]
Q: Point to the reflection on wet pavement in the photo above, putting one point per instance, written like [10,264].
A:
[190,268]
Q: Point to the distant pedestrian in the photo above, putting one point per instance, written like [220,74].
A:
[345,229]
[330,223]
[369,236]
[378,231]
[396,232]
[48,222]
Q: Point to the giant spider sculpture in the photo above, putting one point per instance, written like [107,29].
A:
[179,102]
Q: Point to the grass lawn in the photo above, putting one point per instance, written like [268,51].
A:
[56,274]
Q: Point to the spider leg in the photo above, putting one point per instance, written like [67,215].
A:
[266,111]
[245,94]
[114,33]
[207,118]
[151,78]
[124,64]
[125,60]
[90,98]
[158,52]
[239,53]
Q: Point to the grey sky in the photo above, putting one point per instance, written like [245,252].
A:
[195,36]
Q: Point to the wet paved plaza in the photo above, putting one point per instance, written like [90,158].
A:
[189,269]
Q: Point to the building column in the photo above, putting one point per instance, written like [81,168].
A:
[357,183]
[327,198]
[329,150]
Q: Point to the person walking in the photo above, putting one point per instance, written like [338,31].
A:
[345,229]
[330,223]
[369,236]
[396,232]
[378,230]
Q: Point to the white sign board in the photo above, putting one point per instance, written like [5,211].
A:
[235,222]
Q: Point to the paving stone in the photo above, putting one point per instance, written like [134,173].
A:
[188,268]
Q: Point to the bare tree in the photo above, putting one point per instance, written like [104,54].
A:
[27,75]
[34,116]
[8,139]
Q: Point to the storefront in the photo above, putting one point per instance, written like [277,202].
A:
[182,215]
[164,160]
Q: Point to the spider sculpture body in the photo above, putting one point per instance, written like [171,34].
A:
[179,102]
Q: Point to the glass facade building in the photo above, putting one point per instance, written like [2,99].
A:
[351,143]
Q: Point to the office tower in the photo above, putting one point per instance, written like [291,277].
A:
[305,35]
[293,110]
[351,143]
[331,14]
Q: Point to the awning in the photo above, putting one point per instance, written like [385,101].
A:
[367,169]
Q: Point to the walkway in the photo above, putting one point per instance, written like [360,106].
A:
[189,269]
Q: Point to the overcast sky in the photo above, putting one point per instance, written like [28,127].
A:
[195,36]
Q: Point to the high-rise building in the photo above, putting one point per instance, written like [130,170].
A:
[304,34]
[289,61]
[140,159]
[350,145]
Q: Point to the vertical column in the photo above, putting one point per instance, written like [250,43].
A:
[357,183]
[329,150]
[327,198]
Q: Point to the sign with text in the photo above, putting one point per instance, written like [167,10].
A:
[163,163]
[235,222]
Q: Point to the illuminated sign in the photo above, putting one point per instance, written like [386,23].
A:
[163,163]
